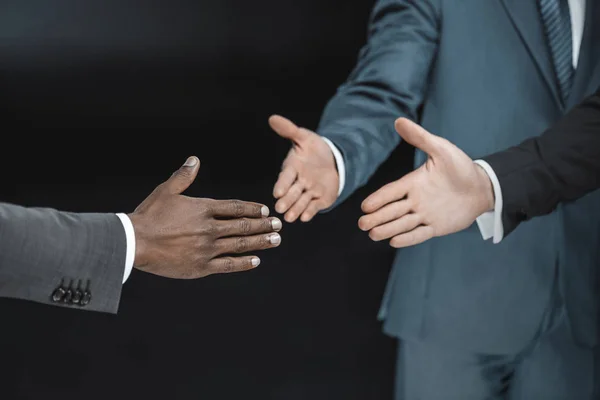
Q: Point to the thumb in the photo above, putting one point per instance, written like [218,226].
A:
[183,177]
[419,137]
[287,129]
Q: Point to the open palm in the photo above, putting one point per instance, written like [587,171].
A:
[309,181]
[443,196]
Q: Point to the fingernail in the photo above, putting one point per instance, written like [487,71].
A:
[275,238]
[190,162]
[255,261]
[264,210]
[276,224]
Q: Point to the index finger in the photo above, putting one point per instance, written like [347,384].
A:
[386,194]
[238,209]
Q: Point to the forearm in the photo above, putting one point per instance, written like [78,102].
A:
[42,249]
[364,140]
[388,82]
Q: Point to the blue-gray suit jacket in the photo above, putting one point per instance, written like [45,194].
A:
[477,72]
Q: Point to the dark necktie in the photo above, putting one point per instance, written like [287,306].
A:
[557,25]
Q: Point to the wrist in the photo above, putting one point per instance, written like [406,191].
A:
[485,191]
[338,164]
[141,247]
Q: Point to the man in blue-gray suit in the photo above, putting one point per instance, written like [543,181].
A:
[516,320]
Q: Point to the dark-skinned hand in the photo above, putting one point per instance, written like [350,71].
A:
[184,237]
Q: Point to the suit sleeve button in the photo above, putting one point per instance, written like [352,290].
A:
[87,296]
[77,295]
[58,293]
[85,299]
[68,297]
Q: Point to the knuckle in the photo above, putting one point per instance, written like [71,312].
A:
[205,207]
[221,229]
[241,245]
[267,224]
[236,207]
[244,226]
[183,173]
[306,198]
[410,221]
[203,236]
[210,229]
[209,247]
[227,265]
[302,181]
[397,209]
[295,190]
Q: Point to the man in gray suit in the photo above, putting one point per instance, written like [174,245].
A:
[516,320]
[82,260]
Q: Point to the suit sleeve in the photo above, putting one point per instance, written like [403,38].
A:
[560,165]
[388,82]
[42,250]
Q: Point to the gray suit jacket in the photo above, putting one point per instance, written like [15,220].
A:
[477,72]
[60,258]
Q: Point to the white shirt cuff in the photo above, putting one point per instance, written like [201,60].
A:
[130,254]
[490,223]
[339,161]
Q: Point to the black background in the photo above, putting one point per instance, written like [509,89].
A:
[101,101]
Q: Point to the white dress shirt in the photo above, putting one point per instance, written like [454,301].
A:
[490,223]
[130,237]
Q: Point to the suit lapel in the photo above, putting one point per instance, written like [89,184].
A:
[528,23]
[587,76]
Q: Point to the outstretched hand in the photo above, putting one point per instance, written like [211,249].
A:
[185,237]
[443,196]
[309,181]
